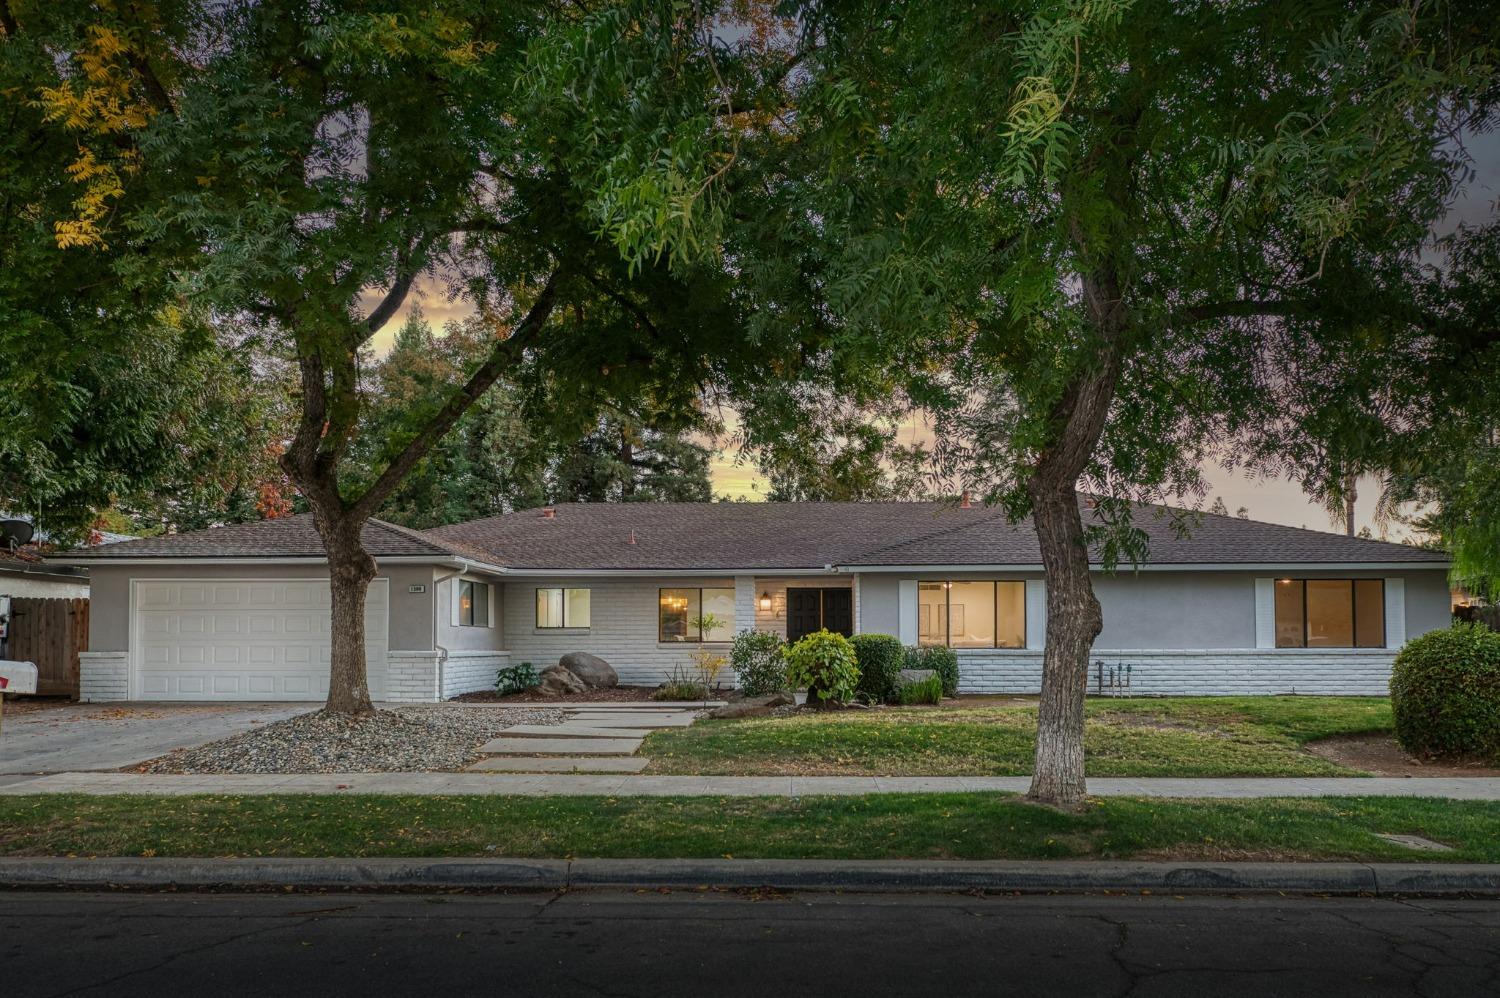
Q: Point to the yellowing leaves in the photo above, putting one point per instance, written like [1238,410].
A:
[102,101]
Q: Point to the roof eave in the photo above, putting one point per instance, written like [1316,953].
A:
[449,560]
[1178,566]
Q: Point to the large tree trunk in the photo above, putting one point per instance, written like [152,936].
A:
[350,569]
[1073,615]
[1073,622]
[329,420]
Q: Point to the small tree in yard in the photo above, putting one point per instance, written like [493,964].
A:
[1100,239]
[304,168]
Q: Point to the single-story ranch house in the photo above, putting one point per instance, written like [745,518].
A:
[1236,606]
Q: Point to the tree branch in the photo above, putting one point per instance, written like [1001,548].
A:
[154,88]
[390,304]
[505,353]
[8,20]
[623,302]
[1238,309]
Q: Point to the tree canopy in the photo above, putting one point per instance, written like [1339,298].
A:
[1106,242]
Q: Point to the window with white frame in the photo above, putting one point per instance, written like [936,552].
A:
[560,607]
[473,608]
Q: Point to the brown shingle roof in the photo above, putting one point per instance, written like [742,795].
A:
[720,537]
[284,537]
[746,536]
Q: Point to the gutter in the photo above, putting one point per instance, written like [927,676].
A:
[451,560]
[442,650]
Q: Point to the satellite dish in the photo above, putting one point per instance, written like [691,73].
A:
[14,533]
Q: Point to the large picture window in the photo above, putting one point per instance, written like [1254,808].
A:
[972,614]
[681,614]
[563,608]
[1330,613]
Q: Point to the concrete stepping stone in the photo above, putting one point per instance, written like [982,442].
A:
[571,731]
[606,764]
[561,746]
[635,705]
[616,721]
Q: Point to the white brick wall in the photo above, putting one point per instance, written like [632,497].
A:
[1209,672]
[103,675]
[623,632]
[471,671]
[411,676]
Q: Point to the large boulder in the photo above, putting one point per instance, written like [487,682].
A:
[754,706]
[592,669]
[557,680]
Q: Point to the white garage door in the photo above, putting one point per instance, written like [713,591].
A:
[235,639]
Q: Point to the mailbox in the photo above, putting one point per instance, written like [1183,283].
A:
[17,677]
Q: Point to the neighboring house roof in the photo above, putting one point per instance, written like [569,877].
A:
[720,537]
[726,536]
[282,537]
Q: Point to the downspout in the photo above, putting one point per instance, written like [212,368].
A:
[442,662]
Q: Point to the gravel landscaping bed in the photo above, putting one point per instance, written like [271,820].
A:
[613,694]
[403,740]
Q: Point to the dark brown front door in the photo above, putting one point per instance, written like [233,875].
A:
[808,610]
[838,611]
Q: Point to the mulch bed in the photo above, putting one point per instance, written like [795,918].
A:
[1381,755]
[612,694]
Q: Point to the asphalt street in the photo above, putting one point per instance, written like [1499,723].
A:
[743,943]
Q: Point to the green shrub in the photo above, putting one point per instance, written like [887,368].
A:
[824,663]
[943,661]
[759,661]
[516,679]
[929,690]
[1445,693]
[879,657]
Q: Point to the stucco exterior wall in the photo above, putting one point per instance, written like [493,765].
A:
[36,585]
[460,637]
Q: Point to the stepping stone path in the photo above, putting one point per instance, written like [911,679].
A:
[593,738]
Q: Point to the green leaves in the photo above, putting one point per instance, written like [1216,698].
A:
[631,101]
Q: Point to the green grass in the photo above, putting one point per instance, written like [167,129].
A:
[881,826]
[1174,736]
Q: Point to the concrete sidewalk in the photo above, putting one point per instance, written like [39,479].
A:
[386,873]
[541,785]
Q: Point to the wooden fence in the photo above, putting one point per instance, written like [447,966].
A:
[50,633]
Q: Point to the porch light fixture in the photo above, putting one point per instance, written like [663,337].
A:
[765,599]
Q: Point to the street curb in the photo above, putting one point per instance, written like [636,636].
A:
[854,875]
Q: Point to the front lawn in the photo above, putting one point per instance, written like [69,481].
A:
[879,826]
[1172,736]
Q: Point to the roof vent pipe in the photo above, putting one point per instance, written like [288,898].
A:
[967,503]
[632,535]
[549,513]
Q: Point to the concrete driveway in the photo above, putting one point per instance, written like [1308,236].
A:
[71,737]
